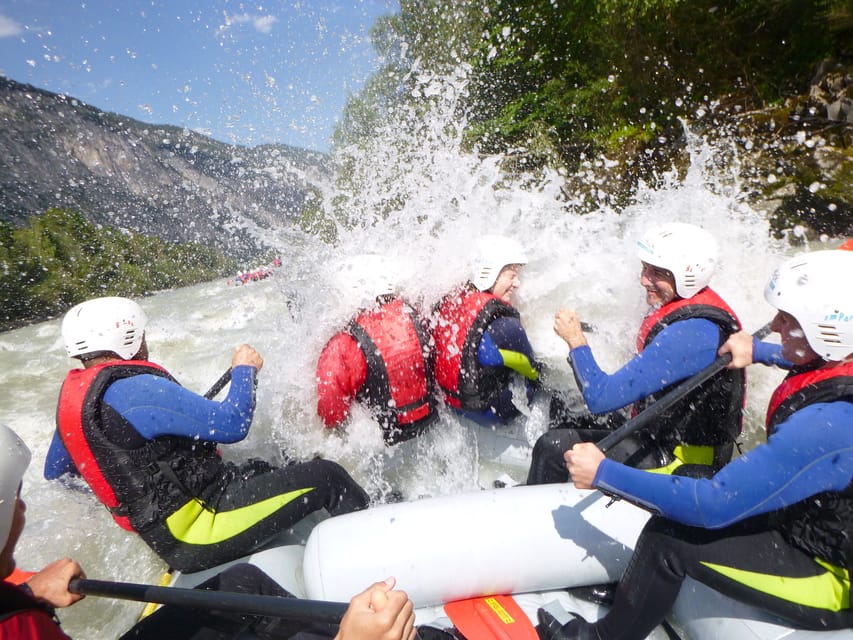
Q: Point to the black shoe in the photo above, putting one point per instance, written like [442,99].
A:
[549,628]
[596,593]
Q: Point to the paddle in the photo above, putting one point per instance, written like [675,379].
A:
[645,417]
[487,617]
[224,379]
[245,603]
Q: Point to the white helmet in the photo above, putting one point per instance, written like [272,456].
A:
[104,324]
[687,251]
[814,288]
[493,253]
[360,279]
[14,459]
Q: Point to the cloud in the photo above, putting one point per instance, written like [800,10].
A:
[261,24]
[9,27]
[264,24]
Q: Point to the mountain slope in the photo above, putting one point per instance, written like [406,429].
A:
[164,181]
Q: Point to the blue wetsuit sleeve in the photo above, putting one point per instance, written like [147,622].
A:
[156,406]
[505,344]
[679,351]
[58,461]
[769,353]
[809,453]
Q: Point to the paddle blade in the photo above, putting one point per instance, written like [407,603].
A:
[491,618]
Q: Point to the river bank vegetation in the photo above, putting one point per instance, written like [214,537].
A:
[60,259]
[561,83]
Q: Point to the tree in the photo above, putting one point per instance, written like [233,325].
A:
[60,259]
[562,79]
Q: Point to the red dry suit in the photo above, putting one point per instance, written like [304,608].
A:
[382,360]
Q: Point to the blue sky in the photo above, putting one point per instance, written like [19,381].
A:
[242,72]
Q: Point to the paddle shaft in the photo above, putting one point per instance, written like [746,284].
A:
[660,406]
[224,379]
[245,603]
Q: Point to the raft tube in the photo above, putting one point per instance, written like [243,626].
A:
[446,548]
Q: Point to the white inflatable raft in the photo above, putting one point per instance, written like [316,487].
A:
[513,540]
[530,541]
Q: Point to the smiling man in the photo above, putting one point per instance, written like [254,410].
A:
[772,528]
[686,324]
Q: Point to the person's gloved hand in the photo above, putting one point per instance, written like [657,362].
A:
[531,388]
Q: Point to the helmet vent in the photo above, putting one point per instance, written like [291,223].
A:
[829,333]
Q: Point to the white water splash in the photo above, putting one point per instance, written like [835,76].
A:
[442,197]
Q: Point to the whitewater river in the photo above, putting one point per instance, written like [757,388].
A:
[586,262]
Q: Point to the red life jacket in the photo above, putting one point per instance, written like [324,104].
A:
[19,576]
[130,475]
[711,414]
[397,388]
[70,421]
[460,320]
[22,617]
[705,304]
[802,388]
[821,524]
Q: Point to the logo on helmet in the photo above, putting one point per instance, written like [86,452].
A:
[644,247]
[771,285]
[838,316]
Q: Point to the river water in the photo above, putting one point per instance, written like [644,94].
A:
[587,262]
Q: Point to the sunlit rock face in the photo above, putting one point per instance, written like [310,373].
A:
[56,151]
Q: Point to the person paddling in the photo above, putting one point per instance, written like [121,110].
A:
[148,447]
[480,343]
[687,323]
[771,528]
[381,358]
[27,609]
[380,612]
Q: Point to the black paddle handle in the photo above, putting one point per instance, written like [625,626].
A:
[245,603]
[660,406]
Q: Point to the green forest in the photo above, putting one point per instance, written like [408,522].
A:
[561,79]
[557,84]
[60,259]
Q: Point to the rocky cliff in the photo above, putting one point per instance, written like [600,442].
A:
[164,181]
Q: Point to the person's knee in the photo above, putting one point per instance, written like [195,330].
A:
[330,470]
[556,442]
[542,447]
[666,538]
